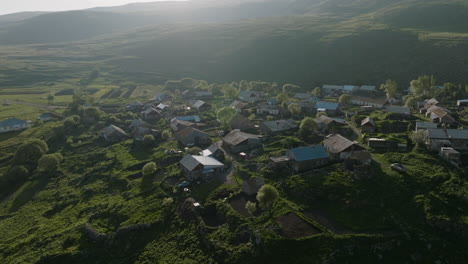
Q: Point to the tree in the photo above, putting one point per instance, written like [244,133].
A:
[230,92]
[17,174]
[412,102]
[49,163]
[194,151]
[423,86]
[148,140]
[251,207]
[226,114]
[308,125]
[282,97]
[92,114]
[267,196]
[166,134]
[149,169]
[188,83]
[289,88]
[294,109]
[321,114]
[344,99]
[390,87]
[418,138]
[244,85]
[50,99]
[317,91]
[29,153]
[71,122]
[202,85]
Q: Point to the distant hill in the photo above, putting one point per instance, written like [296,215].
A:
[303,41]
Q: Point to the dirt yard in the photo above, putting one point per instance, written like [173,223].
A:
[294,227]
[238,204]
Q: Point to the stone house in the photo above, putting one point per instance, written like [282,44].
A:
[368,125]
[341,148]
[307,158]
[190,136]
[436,138]
[237,141]
[13,124]
[113,134]
[200,167]
[365,101]
[278,126]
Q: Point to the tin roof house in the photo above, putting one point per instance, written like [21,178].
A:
[13,124]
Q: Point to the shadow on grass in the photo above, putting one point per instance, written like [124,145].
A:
[28,191]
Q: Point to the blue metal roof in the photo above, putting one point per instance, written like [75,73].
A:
[12,122]
[308,153]
[326,105]
[189,118]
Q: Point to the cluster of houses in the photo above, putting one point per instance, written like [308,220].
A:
[244,139]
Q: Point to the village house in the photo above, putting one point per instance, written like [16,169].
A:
[13,124]
[341,148]
[462,103]
[439,115]
[190,136]
[424,125]
[368,125]
[428,104]
[135,106]
[151,114]
[46,117]
[382,144]
[437,138]
[161,97]
[193,118]
[327,107]
[239,106]
[162,106]
[267,109]
[138,123]
[177,125]
[139,132]
[200,167]
[324,123]
[302,96]
[113,134]
[306,107]
[242,123]
[401,110]
[307,158]
[199,105]
[214,151]
[365,101]
[237,141]
[368,88]
[329,89]
[450,155]
[250,96]
[197,94]
[278,126]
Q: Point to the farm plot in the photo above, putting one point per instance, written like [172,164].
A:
[292,226]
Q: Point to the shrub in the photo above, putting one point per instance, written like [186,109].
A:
[148,140]
[149,169]
[49,162]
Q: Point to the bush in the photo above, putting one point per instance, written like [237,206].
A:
[148,140]
[29,153]
[149,169]
[49,162]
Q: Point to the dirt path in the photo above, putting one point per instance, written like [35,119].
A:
[49,107]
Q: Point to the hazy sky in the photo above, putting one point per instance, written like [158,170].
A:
[13,6]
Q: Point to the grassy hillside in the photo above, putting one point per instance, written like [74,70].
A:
[334,41]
